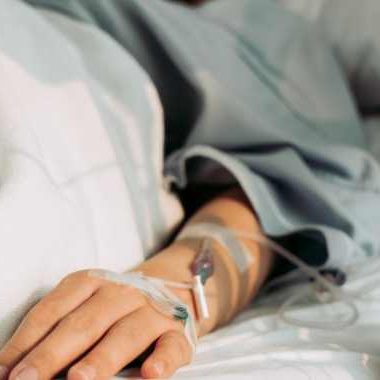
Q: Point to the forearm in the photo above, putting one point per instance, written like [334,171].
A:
[228,290]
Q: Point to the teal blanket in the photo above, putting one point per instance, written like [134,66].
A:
[256,94]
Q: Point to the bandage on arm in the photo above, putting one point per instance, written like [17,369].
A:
[229,289]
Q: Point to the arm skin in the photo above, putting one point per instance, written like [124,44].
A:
[228,291]
[94,327]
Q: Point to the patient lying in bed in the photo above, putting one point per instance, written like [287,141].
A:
[126,124]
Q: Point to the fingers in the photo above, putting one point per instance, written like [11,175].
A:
[67,296]
[124,342]
[86,311]
[172,352]
[78,331]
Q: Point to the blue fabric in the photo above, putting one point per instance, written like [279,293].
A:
[254,94]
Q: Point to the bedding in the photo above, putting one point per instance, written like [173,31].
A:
[250,93]
[81,183]
[269,107]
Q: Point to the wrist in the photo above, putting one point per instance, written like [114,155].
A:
[174,264]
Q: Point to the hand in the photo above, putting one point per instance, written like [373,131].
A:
[110,324]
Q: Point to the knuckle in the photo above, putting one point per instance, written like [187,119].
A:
[167,363]
[75,276]
[139,298]
[76,323]
[45,361]
[180,344]
[171,336]
[12,349]
[129,291]
[42,359]
[39,318]
[122,328]
[75,369]
[170,325]
[122,295]
[111,290]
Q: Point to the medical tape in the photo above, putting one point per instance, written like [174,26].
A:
[230,239]
[224,237]
[157,292]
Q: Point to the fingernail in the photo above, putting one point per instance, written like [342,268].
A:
[85,372]
[159,368]
[28,373]
[3,372]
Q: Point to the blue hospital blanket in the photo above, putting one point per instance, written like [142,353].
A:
[256,94]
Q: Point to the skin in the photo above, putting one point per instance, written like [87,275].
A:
[93,327]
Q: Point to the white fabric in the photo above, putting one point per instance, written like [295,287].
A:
[65,201]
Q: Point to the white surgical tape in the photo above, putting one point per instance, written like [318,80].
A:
[161,297]
[230,239]
[225,237]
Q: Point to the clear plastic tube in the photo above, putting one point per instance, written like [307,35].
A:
[337,294]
